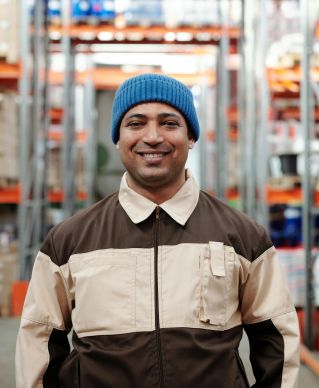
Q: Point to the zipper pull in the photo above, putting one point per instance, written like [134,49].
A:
[157,212]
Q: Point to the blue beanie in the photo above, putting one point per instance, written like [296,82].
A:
[153,88]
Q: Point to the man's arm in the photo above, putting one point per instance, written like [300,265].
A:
[271,323]
[42,342]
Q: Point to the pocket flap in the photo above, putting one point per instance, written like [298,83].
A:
[217,258]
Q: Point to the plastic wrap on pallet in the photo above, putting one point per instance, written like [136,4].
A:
[9,139]
[9,30]
[292,261]
[142,12]
[9,267]
[193,13]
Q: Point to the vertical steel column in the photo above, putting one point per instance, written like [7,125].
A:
[90,149]
[241,103]
[32,147]
[250,106]
[37,168]
[68,145]
[24,128]
[262,215]
[203,138]
[307,122]
[222,105]
[46,116]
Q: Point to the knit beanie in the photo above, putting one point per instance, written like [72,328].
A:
[154,88]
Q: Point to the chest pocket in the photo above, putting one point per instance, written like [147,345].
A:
[104,292]
[216,270]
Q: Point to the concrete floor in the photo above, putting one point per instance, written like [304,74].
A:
[9,328]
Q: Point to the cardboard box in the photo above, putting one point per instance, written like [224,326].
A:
[9,138]
[9,273]
[9,30]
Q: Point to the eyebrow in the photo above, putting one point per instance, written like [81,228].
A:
[165,115]
[161,116]
[135,115]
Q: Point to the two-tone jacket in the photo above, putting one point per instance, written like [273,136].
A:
[157,296]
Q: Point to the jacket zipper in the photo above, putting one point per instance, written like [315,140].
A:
[157,321]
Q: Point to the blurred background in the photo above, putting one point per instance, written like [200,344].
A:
[253,69]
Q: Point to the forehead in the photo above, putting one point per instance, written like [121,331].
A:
[152,108]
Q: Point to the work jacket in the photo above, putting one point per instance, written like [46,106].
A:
[157,296]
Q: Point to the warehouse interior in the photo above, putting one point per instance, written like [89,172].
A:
[253,69]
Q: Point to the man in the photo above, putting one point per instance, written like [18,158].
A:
[158,280]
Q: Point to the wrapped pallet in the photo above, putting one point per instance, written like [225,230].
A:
[9,271]
[9,159]
[9,30]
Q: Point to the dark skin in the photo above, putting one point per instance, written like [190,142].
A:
[154,143]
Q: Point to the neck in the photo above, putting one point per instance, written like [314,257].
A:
[156,194]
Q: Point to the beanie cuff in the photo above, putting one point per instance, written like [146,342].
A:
[154,88]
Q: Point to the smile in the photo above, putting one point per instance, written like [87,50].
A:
[153,156]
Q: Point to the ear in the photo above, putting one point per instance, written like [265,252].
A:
[191,140]
[117,146]
[191,143]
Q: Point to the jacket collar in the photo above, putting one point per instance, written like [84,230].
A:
[179,207]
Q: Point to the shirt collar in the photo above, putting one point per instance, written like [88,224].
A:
[179,207]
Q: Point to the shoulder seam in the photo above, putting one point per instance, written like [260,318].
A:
[263,319]
[44,323]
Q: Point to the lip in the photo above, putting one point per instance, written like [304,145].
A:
[154,156]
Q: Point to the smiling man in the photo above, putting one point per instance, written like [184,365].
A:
[159,280]
[153,146]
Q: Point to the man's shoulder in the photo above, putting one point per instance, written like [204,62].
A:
[84,216]
[248,237]
[222,209]
[77,233]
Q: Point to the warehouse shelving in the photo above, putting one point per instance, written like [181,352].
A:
[111,78]
[152,34]
[241,124]
[293,85]
[9,75]
[307,106]
[10,195]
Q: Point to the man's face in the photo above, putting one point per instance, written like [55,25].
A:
[153,146]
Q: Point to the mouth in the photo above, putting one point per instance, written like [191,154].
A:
[153,156]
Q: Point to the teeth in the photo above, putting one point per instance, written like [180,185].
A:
[153,156]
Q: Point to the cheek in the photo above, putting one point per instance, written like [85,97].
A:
[128,140]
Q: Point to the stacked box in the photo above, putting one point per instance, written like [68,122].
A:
[233,163]
[9,273]
[9,159]
[9,30]
[80,177]
[293,264]
[54,169]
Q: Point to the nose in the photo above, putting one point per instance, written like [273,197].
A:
[152,134]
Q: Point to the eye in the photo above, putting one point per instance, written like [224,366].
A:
[171,123]
[134,124]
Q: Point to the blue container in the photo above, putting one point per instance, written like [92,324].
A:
[80,10]
[103,10]
[54,8]
[293,226]
[277,224]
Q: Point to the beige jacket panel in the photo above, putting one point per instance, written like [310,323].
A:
[265,294]
[119,284]
[287,325]
[47,307]
[31,351]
